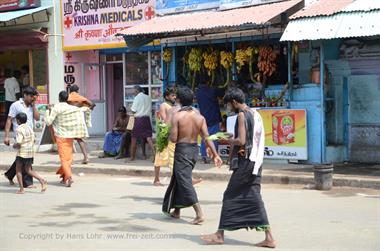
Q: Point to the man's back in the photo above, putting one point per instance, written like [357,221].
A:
[142,105]
[207,99]
[189,126]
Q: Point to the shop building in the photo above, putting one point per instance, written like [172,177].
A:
[343,38]
[337,117]
[100,63]
[30,37]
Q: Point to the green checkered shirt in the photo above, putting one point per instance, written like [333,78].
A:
[25,137]
[69,121]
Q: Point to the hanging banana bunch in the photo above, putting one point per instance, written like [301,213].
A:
[251,53]
[266,62]
[210,61]
[167,58]
[241,59]
[195,63]
[226,60]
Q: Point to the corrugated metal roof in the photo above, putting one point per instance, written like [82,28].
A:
[9,15]
[322,8]
[324,20]
[332,7]
[207,20]
[341,25]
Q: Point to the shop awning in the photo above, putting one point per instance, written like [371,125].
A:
[10,15]
[328,19]
[209,22]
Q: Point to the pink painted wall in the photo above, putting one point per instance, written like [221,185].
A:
[91,88]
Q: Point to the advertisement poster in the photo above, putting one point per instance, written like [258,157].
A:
[230,4]
[7,5]
[285,133]
[176,6]
[92,24]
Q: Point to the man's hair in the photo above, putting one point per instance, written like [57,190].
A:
[138,88]
[122,109]
[7,73]
[22,118]
[185,95]
[25,68]
[168,91]
[74,88]
[30,90]
[63,96]
[16,74]
[234,94]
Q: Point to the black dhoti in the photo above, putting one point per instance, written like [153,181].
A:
[243,206]
[181,192]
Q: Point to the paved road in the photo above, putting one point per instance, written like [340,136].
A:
[123,213]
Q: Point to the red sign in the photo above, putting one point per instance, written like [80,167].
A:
[8,5]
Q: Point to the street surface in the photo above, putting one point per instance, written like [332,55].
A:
[103,212]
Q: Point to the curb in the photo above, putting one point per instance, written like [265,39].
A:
[268,178]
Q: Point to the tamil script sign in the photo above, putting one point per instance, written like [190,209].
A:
[230,4]
[176,6]
[7,5]
[92,24]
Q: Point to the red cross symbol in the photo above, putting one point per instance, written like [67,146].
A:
[68,56]
[149,12]
[68,22]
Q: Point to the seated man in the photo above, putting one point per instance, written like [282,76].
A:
[116,142]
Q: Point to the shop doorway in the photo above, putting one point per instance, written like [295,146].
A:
[114,90]
[362,118]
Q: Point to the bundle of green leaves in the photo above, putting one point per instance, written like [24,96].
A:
[163,132]
[219,136]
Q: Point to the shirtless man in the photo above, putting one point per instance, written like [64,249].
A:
[187,125]
[162,158]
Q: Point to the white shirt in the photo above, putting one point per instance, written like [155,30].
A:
[16,108]
[142,105]
[11,88]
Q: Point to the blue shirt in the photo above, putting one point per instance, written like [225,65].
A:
[207,98]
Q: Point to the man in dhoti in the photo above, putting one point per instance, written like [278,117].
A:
[162,157]
[187,124]
[243,206]
[68,124]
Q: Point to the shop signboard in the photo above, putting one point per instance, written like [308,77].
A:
[285,133]
[230,4]
[9,5]
[92,24]
[177,6]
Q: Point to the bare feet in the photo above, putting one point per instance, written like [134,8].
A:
[213,239]
[196,181]
[197,221]
[20,192]
[43,186]
[175,215]
[157,183]
[11,183]
[266,244]
[119,156]
[68,182]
